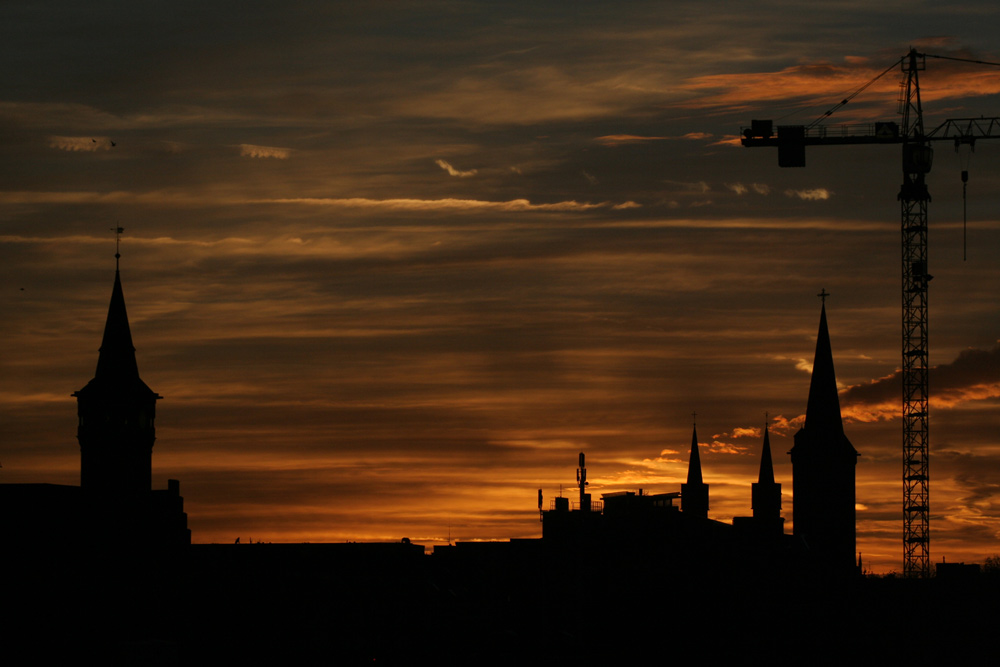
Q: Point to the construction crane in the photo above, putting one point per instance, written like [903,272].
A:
[791,141]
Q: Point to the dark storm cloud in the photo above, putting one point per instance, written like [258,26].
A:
[974,375]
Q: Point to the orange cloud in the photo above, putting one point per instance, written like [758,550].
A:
[804,84]
[250,150]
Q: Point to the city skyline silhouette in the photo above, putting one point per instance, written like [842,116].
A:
[389,283]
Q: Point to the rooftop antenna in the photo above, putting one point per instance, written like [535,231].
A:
[581,478]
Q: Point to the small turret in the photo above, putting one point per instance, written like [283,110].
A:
[766,493]
[694,494]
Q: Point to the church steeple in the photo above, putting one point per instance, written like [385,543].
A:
[694,494]
[766,494]
[823,467]
[116,413]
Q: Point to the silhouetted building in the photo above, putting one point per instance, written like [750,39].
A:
[823,466]
[117,414]
[114,504]
[694,494]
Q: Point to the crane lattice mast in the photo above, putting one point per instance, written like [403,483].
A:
[913,198]
[791,141]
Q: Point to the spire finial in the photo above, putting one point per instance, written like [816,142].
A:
[118,240]
[823,294]
[694,418]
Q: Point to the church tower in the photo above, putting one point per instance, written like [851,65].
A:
[116,415]
[694,494]
[766,494]
[823,466]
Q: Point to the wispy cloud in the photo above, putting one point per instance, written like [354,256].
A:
[171,198]
[252,150]
[622,139]
[815,194]
[699,187]
[80,144]
[445,204]
[455,172]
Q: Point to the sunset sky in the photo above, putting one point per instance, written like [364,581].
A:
[393,265]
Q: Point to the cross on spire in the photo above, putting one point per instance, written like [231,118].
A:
[823,294]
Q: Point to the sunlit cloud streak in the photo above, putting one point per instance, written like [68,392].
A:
[814,194]
[452,171]
[253,151]
[194,199]
[811,83]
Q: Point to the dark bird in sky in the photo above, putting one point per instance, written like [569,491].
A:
[113,144]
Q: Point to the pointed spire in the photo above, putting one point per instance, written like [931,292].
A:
[694,493]
[694,463]
[117,356]
[823,408]
[766,475]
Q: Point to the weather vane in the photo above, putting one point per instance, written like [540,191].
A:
[118,240]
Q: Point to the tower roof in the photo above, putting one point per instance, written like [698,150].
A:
[694,465]
[117,369]
[766,475]
[117,355]
[823,430]
[823,408]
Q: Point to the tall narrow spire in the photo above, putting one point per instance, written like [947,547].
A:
[694,462]
[823,467]
[116,361]
[766,475]
[694,494]
[823,408]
